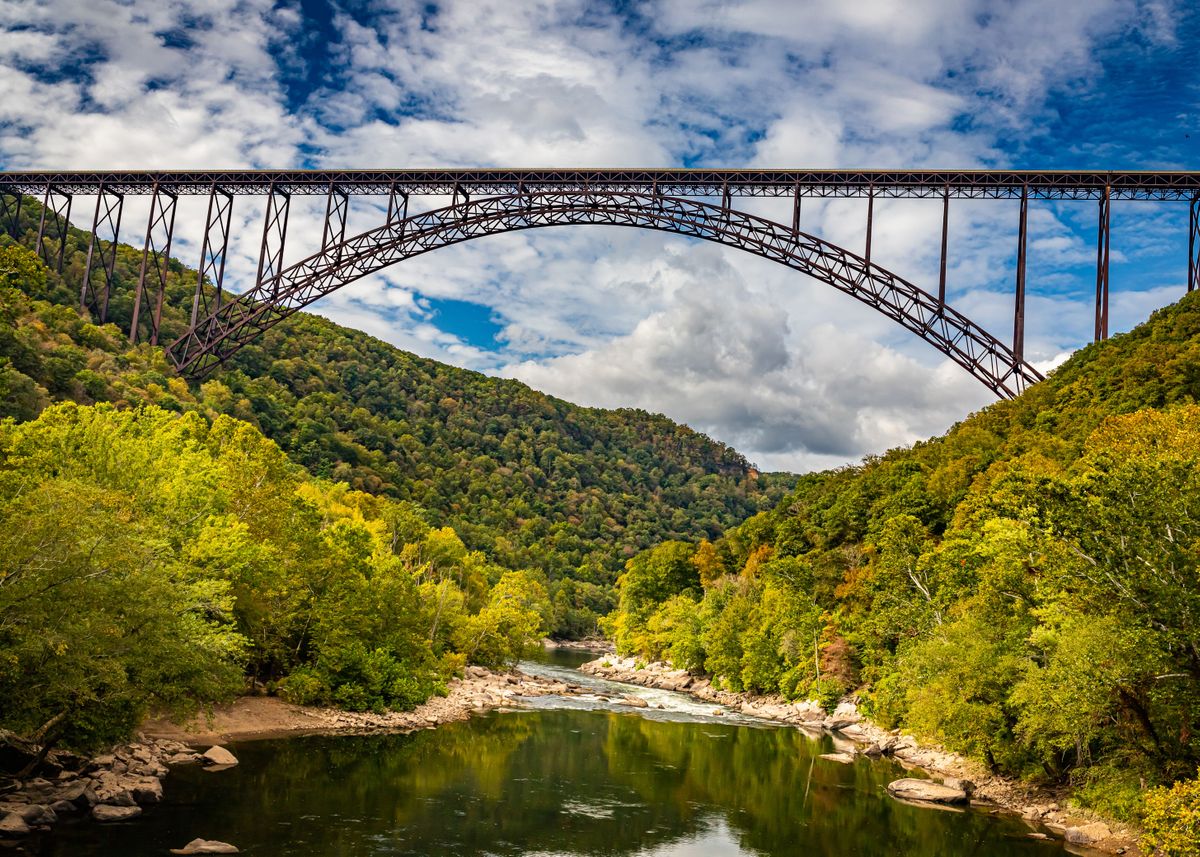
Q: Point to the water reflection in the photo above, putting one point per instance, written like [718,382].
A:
[550,782]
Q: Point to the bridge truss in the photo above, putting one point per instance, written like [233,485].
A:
[696,203]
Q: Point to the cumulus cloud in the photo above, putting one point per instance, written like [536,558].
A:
[791,372]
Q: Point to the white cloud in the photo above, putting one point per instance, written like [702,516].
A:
[793,373]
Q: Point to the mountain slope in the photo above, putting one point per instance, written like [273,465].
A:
[532,480]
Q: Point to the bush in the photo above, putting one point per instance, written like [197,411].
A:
[829,693]
[304,687]
[1172,820]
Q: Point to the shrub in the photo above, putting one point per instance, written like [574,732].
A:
[304,687]
[1172,820]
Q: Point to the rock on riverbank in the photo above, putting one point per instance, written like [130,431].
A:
[1038,808]
[113,786]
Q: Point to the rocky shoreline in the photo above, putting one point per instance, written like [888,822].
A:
[588,645]
[115,786]
[854,735]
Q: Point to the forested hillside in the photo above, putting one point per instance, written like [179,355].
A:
[1024,589]
[530,480]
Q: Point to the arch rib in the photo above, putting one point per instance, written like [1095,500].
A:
[213,339]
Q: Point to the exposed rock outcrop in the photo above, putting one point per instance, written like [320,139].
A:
[206,846]
[104,812]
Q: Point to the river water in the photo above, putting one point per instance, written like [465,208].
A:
[564,776]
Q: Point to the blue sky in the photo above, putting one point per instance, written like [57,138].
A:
[790,372]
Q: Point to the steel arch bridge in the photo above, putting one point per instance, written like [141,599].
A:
[693,203]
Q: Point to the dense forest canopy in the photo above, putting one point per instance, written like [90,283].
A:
[531,480]
[1023,589]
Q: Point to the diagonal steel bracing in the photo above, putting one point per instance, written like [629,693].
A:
[156,258]
[215,338]
[10,213]
[52,227]
[214,249]
[101,255]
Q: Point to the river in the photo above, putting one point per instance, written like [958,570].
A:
[563,776]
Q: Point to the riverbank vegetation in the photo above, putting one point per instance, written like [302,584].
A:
[154,559]
[1023,589]
[165,541]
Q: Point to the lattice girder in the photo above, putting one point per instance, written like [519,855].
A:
[214,338]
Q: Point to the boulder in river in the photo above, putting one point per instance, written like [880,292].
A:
[927,791]
[635,701]
[105,812]
[206,846]
[218,755]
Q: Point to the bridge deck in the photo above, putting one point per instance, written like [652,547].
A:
[955,184]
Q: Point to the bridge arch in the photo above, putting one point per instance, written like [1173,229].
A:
[217,336]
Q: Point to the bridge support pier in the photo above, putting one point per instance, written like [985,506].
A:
[10,213]
[870,223]
[945,243]
[1019,303]
[1102,242]
[107,219]
[56,204]
[1194,245]
[213,251]
[796,198]
[337,204]
[156,256]
[270,257]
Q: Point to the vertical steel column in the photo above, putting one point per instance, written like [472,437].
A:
[796,211]
[1193,282]
[870,220]
[213,252]
[270,257]
[58,204]
[156,256]
[108,217]
[10,213]
[459,192]
[1019,309]
[337,204]
[398,204]
[1102,241]
[945,243]
[726,201]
